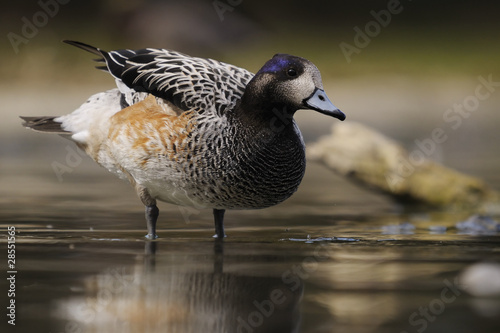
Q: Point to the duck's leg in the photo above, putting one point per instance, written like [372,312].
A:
[219,223]
[152,211]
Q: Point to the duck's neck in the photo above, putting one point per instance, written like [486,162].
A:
[275,117]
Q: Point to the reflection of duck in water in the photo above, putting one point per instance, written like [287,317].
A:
[197,132]
[175,296]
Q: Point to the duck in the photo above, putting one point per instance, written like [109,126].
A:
[194,131]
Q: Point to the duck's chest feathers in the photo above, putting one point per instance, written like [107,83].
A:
[250,168]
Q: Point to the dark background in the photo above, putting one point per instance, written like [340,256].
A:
[425,37]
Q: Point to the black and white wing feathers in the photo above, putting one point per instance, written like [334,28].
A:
[187,82]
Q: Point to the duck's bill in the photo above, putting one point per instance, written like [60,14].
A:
[319,101]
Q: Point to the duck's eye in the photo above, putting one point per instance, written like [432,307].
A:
[291,72]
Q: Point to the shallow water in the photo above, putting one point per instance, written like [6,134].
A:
[333,258]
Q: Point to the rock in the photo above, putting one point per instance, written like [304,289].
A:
[437,229]
[479,224]
[378,162]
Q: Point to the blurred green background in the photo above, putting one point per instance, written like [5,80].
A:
[423,38]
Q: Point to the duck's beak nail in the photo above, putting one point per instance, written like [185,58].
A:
[319,101]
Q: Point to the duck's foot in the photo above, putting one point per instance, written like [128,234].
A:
[219,223]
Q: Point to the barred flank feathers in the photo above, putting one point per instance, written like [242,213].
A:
[43,124]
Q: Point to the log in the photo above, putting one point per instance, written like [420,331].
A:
[378,162]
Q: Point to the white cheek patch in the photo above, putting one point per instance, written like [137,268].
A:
[303,87]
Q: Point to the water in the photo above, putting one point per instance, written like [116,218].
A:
[333,258]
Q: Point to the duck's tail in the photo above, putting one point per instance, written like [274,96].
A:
[44,124]
[103,55]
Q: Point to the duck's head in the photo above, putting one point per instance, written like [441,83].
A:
[292,82]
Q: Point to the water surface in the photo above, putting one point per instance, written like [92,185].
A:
[333,258]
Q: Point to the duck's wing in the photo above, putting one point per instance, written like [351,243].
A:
[187,82]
